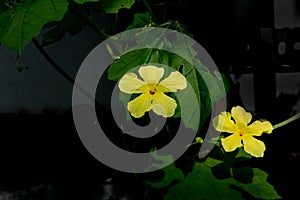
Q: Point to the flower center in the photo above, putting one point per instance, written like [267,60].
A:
[241,132]
[152,91]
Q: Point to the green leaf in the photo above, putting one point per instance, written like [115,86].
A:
[223,170]
[109,6]
[259,187]
[201,184]
[113,6]
[140,20]
[188,112]
[171,173]
[206,87]
[127,62]
[22,22]
[232,166]
[162,158]
[188,97]
[211,162]
[69,24]
[85,1]
[53,35]
[243,174]
[243,153]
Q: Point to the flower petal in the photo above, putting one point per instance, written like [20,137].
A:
[130,84]
[175,81]
[254,146]
[164,105]
[259,127]
[224,123]
[151,74]
[231,142]
[240,116]
[141,104]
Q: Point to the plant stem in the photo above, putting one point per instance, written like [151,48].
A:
[295,117]
[61,71]
[149,9]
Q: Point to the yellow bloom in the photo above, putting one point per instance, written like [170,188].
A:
[152,91]
[237,123]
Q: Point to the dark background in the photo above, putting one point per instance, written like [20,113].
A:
[42,156]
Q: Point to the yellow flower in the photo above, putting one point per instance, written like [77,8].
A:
[237,123]
[152,91]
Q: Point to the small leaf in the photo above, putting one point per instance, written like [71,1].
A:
[140,20]
[243,153]
[22,22]
[210,162]
[113,6]
[199,140]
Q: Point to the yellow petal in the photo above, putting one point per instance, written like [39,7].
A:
[141,104]
[164,105]
[259,127]
[130,84]
[241,117]
[231,142]
[224,123]
[151,74]
[254,146]
[175,81]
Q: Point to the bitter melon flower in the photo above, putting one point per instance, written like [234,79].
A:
[243,133]
[152,91]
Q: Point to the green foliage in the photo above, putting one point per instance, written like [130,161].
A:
[20,23]
[201,184]
[113,6]
[140,57]
[84,1]
[109,6]
[229,177]
[3,6]
[206,87]
[141,20]
[163,159]
[171,173]
[259,187]
[233,164]
[71,24]
[243,153]
[127,62]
